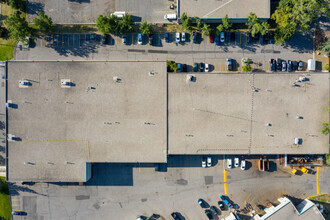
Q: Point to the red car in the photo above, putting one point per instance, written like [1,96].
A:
[211,37]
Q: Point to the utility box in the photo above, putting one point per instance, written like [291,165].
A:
[66,83]
[311,65]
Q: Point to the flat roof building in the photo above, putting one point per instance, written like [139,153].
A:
[63,116]
[214,11]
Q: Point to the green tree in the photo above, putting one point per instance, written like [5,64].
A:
[199,22]
[327,67]
[146,28]
[187,25]
[246,68]
[326,46]
[219,29]
[16,4]
[184,17]
[102,24]
[252,20]
[113,24]
[264,28]
[125,24]
[326,128]
[225,23]
[172,66]
[256,26]
[17,26]
[206,30]
[44,23]
[296,15]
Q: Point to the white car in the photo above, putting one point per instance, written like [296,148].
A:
[177,37]
[183,36]
[229,163]
[203,162]
[236,162]
[209,161]
[207,67]
[222,37]
[243,165]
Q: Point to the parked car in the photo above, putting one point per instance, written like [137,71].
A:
[229,64]
[201,203]
[26,42]
[261,39]
[108,37]
[18,213]
[222,205]
[271,37]
[229,163]
[279,65]
[209,161]
[177,37]
[272,65]
[243,163]
[236,162]
[283,66]
[226,201]
[214,210]
[201,67]
[104,39]
[222,37]
[255,38]
[217,40]
[195,67]
[151,39]
[184,68]
[300,66]
[289,66]
[211,38]
[175,216]
[266,37]
[179,68]
[140,40]
[207,67]
[167,37]
[208,214]
[204,162]
[233,37]
[183,37]
[227,37]
[194,37]
[124,39]
[294,65]
[248,37]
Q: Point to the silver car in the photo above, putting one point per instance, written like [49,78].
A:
[177,37]
[283,66]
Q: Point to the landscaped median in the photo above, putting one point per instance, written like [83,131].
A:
[5,211]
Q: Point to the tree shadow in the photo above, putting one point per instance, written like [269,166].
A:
[33,8]
[300,43]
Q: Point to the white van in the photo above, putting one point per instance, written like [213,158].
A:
[119,14]
[170,17]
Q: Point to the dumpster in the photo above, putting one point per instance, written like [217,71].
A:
[294,171]
[304,170]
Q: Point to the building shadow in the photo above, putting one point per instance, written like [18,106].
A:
[80,1]
[111,174]
[189,160]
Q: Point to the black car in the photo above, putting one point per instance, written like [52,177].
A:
[151,39]
[294,65]
[261,39]
[272,65]
[222,205]
[18,213]
[255,38]
[279,64]
[208,214]
[108,38]
[214,210]
[201,67]
[175,216]
[266,39]
[184,68]
[228,37]
[271,37]
[193,34]
[104,39]
[233,37]
[248,37]
[289,65]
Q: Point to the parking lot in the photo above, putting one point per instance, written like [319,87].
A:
[90,47]
[162,193]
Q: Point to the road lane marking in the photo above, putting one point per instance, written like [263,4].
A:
[219,66]
[317,180]
[225,176]
[247,198]
[226,188]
